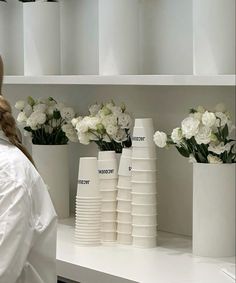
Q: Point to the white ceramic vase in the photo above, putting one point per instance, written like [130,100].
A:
[53,165]
[41,22]
[214,36]
[214,210]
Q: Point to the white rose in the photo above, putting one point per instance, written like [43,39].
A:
[176,135]
[28,110]
[36,119]
[82,126]
[160,139]
[94,109]
[111,130]
[40,108]
[203,136]
[190,127]
[93,122]
[124,120]
[84,138]
[220,107]
[214,159]
[208,119]
[21,118]
[75,121]
[192,159]
[220,148]
[67,113]
[221,120]
[20,105]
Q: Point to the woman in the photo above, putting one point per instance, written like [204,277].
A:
[27,216]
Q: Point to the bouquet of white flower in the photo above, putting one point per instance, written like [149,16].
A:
[107,125]
[204,136]
[48,122]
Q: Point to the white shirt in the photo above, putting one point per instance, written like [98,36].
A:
[27,221]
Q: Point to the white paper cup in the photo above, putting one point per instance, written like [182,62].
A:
[144,242]
[87,236]
[88,218]
[144,198]
[108,184]
[124,181]
[125,166]
[144,122]
[124,205]
[142,137]
[108,236]
[87,213]
[84,208]
[144,164]
[108,169]
[108,216]
[144,209]
[144,188]
[143,231]
[109,205]
[88,204]
[124,239]
[144,219]
[124,217]
[87,226]
[144,152]
[109,195]
[143,176]
[89,200]
[88,180]
[106,155]
[124,193]
[82,244]
[108,226]
[124,228]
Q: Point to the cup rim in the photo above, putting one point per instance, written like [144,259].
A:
[143,194]
[105,191]
[137,204]
[149,237]
[122,211]
[95,199]
[124,188]
[126,223]
[143,182]
[124,200]
[152,215]
[144,226]
[143,159]
[107,221]
[107,201]
[146,171]
[108,211]
[122,233]
[88,158]
[108,231]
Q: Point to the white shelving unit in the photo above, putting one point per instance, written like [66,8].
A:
[162,80]
[171,262]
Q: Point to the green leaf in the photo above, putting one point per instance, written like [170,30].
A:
[183,151]
[225,131]
[56,114]
[28,129]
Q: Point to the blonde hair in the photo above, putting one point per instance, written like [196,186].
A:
[7,121]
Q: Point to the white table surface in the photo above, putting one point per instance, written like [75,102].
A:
[170,262]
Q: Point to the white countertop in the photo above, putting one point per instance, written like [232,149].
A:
[170,262]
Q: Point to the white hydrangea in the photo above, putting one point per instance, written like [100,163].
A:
[20,105]
[203,135]
[109,120]
[84,138]
[124,120]
[176,135]
[21,118]
[111,130]
[190,127]
[214,159]
[208,119]
[160,139]
[40,108]
[67,113]
[36,119]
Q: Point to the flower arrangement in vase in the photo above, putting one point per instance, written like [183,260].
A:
[203,137]
[48,122]
[107,125]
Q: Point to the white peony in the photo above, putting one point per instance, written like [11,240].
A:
[111,130]
[203,136]
[84,138]
[160,139]
[75,121]
[176,135]
[190,127]
[40,108]
[93,122]
[219,148]
[36,119]
[67,113]
[109,120]
[214,159]
[221,120]
[28,110]
[208,119]
[20,105]
[94,109]
[21,118]
[192,159]
[124,120]
[82,126]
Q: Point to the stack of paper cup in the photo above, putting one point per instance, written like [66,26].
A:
[124,198]
[107,169]
[144,197]
[88,204]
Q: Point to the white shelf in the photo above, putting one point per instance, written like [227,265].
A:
[170,262]
[164,80]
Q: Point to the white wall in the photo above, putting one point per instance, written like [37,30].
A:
[167,106]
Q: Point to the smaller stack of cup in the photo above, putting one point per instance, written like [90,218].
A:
[124,198]
[144,195]
[88,204]
[107,169]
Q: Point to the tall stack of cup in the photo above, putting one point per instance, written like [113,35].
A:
[107,169]
[88,204]
[144,195]
[124,198]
